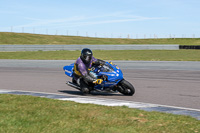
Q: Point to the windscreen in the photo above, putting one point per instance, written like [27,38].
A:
[107,68]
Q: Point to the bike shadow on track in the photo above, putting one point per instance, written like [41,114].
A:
[94,93]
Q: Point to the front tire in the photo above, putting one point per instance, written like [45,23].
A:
[126,88]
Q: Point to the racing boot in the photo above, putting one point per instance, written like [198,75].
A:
[84,87]
[85,91]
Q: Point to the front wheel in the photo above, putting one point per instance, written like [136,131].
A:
[126,88]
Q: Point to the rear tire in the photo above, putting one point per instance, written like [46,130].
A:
[126,88]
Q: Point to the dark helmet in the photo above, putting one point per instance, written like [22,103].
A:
[86,55]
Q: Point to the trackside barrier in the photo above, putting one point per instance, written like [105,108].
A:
[79,47]
[189,47]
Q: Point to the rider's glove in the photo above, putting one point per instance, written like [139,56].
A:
[98,81]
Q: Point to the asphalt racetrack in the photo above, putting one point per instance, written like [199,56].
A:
[158,82]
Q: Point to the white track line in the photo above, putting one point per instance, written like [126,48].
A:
[103,101]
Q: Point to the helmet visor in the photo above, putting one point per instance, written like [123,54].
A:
[88,58]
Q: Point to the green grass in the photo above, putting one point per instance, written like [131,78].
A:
[147,55]
[27,114]
[25,38]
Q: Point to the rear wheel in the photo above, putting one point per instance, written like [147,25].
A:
[126,88]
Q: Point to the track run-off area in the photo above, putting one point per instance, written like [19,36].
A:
[164,83]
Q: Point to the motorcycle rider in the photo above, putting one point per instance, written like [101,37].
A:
[82,74]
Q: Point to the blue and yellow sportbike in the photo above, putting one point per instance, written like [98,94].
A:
[110,75]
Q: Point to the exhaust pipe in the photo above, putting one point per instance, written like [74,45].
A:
[73,85]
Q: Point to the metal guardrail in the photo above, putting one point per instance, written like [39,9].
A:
[80,47]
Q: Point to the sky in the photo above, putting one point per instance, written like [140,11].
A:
[102,18]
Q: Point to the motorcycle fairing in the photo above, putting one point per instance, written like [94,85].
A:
[69,70]
[114,76]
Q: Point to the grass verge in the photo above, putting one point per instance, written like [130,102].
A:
[147,55]
[26,38]
[30,114]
